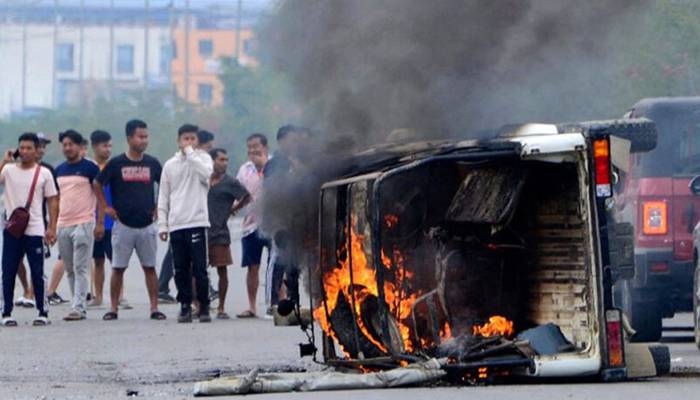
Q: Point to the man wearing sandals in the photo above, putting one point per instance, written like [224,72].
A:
[226,196]
[77,230]
[183,217]
[27,184]
[132,177]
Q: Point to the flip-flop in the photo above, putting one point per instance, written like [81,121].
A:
[158,316]
[222,315]
[8,321]
[246,314]
[110,316]
[41,321]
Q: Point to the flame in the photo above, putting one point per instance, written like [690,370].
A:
[497,325]
[446,332]
[391,220]
[363,285]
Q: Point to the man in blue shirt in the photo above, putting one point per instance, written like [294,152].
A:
[102,151]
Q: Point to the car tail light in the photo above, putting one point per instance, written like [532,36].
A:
[616,355]
[601,157]
[655,217]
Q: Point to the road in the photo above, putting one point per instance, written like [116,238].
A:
[161,359]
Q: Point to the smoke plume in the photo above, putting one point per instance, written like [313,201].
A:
[361,69]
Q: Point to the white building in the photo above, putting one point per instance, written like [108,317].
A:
[46,65]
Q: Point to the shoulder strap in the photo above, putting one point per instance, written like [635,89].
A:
[31,189]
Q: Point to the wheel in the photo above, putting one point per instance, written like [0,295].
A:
[643,312]
[696,305]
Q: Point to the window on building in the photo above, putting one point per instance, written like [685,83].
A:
[62,88]
[205,93]
[206,48]
[64,57]
[125,59]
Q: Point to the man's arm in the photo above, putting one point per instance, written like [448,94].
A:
[163,204]
[7,159]
[100,225]
[50,236]
[241,203]
[201,163]
[102,202]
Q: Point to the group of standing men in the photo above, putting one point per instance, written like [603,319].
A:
[110,208]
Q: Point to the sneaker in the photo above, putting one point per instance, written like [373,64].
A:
[213,294]
[165,298]
[269,313]
[55,299]
[95,303]
[124,304]
[8,321]
[185,315]
[204,317]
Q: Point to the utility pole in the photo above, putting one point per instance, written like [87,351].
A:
[145,46]
[238,31]
[81,77]
[24,56]
[111,49]
[171,52]
[187,51]
[55,56]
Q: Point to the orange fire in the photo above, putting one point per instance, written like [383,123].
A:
[497,325]
[391,220]
[364,284]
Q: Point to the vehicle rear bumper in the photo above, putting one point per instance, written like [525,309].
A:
[674,284]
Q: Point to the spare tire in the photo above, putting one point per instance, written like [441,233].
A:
[641,132]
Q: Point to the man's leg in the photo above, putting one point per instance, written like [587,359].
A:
[66,247]
[56,276]
[151,286]
[180,246]
[166,273]
[198,257]
[11,255]
[252,283]
[146,246]
[223,286]
[98,280]
[115,287]
[83,240]
[26,287]
[34,248]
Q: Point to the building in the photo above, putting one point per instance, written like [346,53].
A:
[70,56]
[203,50]
[57,59]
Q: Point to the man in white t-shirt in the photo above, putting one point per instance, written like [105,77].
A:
[17,177]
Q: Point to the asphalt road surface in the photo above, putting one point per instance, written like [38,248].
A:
[93,359]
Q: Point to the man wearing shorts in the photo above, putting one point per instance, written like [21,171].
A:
[183,217]
[226,197]
[102,150]
[132,177]
[251,176]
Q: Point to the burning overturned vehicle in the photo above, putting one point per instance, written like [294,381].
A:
[475,261]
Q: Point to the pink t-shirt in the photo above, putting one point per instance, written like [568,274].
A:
[252,180]
[17,182]
[78,200]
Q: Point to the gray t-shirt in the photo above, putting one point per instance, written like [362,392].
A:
[220,199]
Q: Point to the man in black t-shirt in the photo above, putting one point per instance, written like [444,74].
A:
[132,177]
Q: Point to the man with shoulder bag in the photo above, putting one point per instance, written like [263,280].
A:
[27,184]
